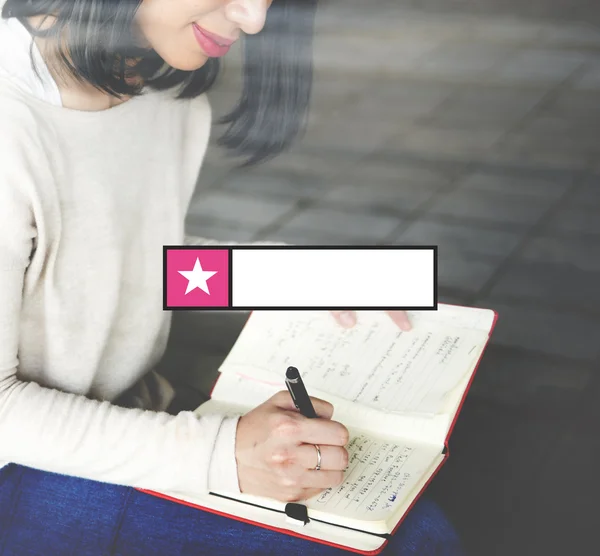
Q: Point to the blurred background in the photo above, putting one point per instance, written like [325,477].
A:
[472,125]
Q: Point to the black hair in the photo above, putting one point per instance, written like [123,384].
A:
[271,113]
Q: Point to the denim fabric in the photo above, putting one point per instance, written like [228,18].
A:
[44,514]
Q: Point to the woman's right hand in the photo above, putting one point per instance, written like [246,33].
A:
[276,454]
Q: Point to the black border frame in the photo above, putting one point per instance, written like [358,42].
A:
[230,249]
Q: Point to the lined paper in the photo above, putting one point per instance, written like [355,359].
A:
[380,475]
[374,364]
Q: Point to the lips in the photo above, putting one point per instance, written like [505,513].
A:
[213,45]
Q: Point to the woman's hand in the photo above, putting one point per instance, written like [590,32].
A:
[276,454]
[348,318]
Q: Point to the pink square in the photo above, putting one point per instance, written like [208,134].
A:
[196,278]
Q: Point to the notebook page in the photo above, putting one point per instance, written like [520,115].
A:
[237,394]
[381,475]
[454,315]
[277,519]
[374,363]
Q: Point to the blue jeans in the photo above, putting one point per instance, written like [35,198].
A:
[44,514]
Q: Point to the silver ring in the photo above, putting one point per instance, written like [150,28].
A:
[318,467]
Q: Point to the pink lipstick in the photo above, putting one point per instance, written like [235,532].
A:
[213,45]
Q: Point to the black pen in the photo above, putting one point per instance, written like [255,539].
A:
[297,390]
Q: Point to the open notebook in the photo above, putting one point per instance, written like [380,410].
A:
[397,392]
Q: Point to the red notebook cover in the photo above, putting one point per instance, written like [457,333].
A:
[320,541]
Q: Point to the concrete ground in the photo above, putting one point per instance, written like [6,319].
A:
[473,126]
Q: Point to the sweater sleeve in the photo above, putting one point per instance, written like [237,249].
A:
[70,434]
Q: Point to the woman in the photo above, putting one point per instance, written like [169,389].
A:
[101,140]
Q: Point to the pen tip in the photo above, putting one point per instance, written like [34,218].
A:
[292,373]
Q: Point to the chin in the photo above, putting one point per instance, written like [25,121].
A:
[186,62]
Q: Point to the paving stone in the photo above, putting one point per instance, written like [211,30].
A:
[590,80]
[588,195]
[572,221]
[323,111]
[560,132]
[494,126]
[570,35]
[312,237]
[491,207]
[499,475]
[575,11]
[383,198]
[356,19]
[335,222]
[494,453]
[219,232]
[445,142]
[572,144]
[512,31]
[582,254]
[455,240]
[363,54]
[516,378]
[322,162]
[539,65]
[545,330]
[276,184]
[232,207]
[218,160]
[395,100]
[516,183]
[453,298]
[524,170]
[211,332]
[391,22]
[544,159]
[350,136]
[467,259]
[579,106]
[569,140]
[544,154]
[333,86]
[466,60]
[464,273]
[210,176]
[481,107]
[398,170]
[567,477]
[560,284]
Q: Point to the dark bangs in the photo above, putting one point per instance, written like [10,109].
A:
[101,44]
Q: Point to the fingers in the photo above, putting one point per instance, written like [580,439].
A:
[283,400]
[347,319]
[401,319]
[291,428]
[333,458]
[321,432]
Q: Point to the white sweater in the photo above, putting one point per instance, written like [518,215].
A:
[87,200]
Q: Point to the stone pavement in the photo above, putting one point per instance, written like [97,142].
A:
[480,134]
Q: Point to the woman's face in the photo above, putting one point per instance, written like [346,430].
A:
[185,33]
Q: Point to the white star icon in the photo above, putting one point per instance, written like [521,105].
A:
[197,278]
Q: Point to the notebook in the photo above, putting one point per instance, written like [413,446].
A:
[398,393]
